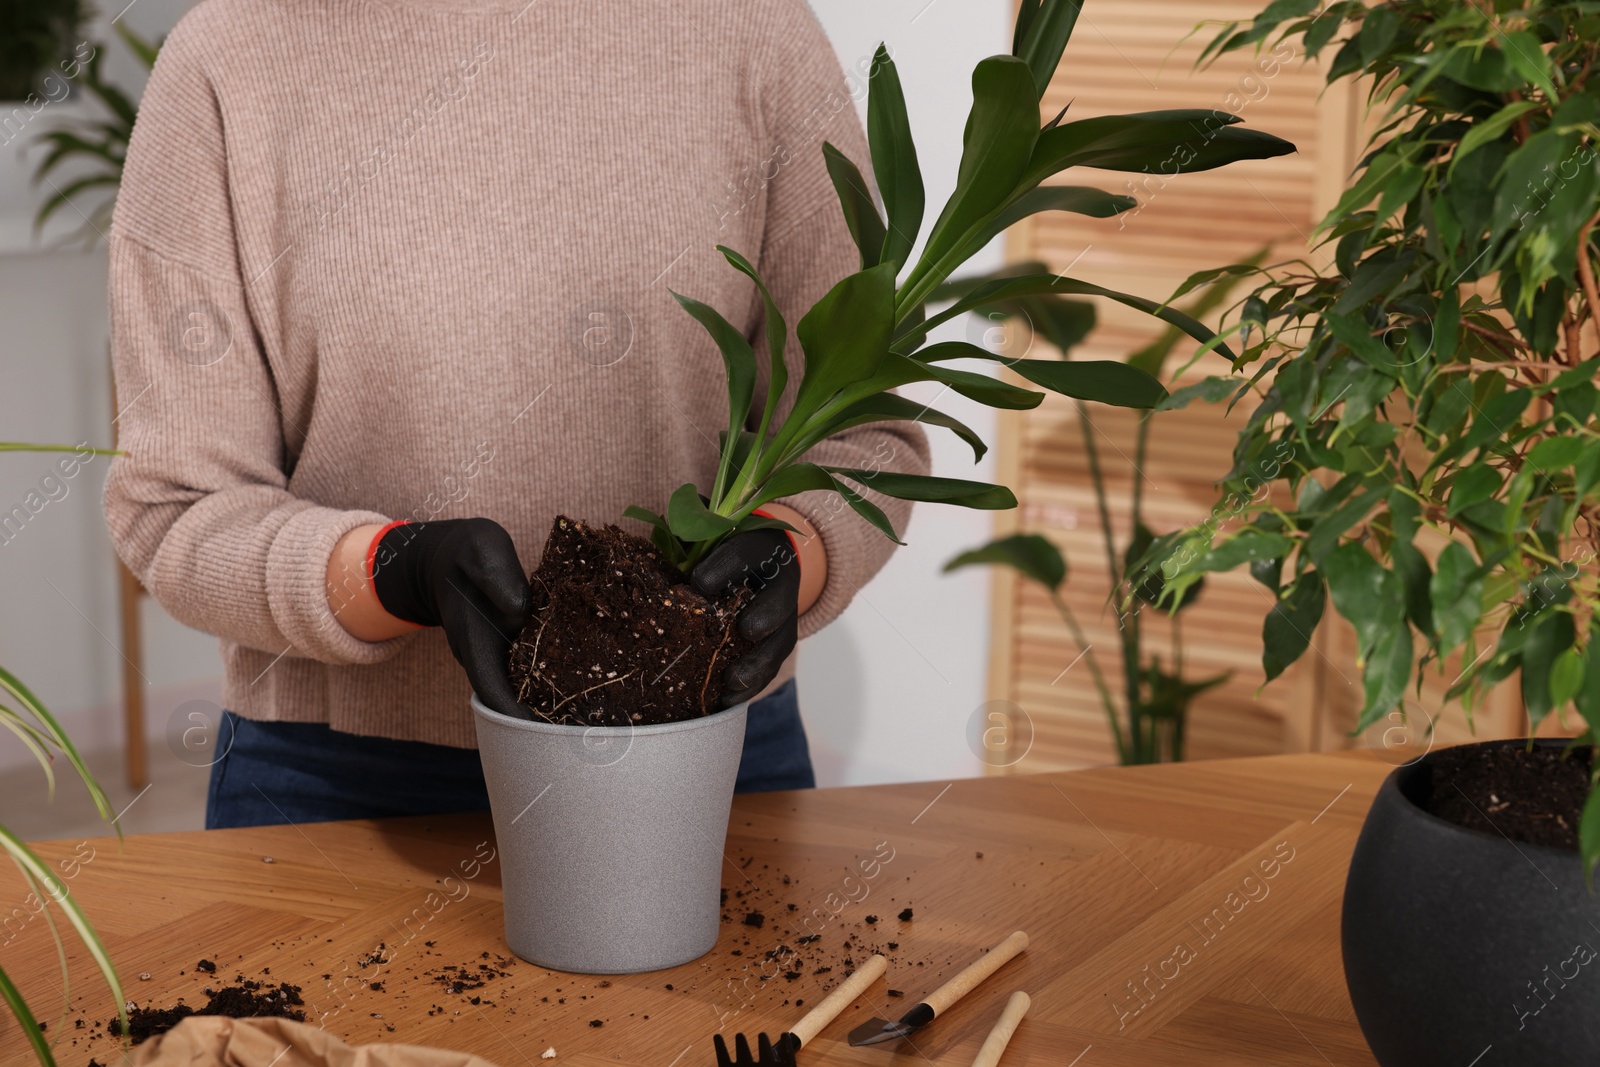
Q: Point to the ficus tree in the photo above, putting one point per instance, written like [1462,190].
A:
[869,334]
[1423,447]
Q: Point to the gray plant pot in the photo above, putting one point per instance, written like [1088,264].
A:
[611,839]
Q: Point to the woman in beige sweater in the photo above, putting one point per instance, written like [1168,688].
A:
[379,261]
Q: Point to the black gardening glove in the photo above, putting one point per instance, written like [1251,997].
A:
[765,562]
[463,575]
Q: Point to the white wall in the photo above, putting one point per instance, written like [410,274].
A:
[887,689]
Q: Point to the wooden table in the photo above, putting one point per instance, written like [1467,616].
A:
[1184,914]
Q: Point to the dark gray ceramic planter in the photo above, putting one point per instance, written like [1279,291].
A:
[611,839]
[1463,949]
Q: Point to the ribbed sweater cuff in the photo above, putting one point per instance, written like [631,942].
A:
[297,586]
[851,555]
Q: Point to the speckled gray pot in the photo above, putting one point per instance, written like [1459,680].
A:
[611,839]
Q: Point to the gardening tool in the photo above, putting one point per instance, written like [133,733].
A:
[879,1030]
[1000,1036]
[781,1053]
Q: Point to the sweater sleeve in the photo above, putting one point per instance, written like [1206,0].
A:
[806,250]
[199,505]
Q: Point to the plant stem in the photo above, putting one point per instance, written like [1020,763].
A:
[1084,650]
[1127,621]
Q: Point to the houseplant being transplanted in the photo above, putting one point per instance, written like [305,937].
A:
[1430,394]
[632,771]
[42,736]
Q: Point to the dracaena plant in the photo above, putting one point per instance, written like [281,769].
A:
[1424,449]
[34,34]
[22,713]
[867,335]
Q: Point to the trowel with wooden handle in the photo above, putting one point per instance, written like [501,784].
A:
[941,999]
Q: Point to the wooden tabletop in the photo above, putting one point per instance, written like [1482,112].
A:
[1182,914]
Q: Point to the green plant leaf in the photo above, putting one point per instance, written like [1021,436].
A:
[845,335]
[894,160]
[689,518]
[1556,453]
[1158,142]
[1386,671]
[1286,632]
[1588,697]
[777,332]
[1001,130]
[1589,836]
[1034,556]
[1054,285]
[1078,200]
[1457,593]
[1488,130]
[1550,636]
[1566,676]
[1370,597]
[804,477]
[739,361]
[1102,381]
[1042,36]
[11,684]
[1249,545]
[1473,485]
[24,1015]
[860,213]
[888,407]
[929,489]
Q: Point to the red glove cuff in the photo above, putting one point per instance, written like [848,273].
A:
[793,544]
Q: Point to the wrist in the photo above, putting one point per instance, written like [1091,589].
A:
[352,599]
[809,549]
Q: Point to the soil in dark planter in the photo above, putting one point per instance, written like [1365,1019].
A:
[617,636]
[1530,795]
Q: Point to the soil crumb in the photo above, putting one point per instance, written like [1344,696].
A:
[244,999]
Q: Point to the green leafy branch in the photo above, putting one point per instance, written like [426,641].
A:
[867,336]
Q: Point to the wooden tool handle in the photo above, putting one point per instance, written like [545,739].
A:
[839,999]
[1000,1036]
[983,967]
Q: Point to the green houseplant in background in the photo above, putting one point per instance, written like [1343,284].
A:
[865,337]
[34,36]
[101,143]
[1148,722]
[1426,439]
[22,713]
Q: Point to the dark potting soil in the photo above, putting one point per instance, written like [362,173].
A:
[244,999]
[1529,795]
[617,636]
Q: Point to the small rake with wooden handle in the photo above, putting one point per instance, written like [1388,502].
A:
[878,1031]
[781,1053]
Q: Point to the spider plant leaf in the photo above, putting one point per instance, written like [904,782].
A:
[28,446]
[1042,37]
[930,489]
[34,740]
[894,160]
[689,518]
[37,869]
[739,359]
[58,737]
[860,213]
[998,145]
[30,1026]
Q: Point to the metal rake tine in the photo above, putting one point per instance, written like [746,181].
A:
[741,1049]
[721,1047]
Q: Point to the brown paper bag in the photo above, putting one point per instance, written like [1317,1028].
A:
[218,1041]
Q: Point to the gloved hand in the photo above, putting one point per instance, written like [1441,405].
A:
[463,575]
[764,561]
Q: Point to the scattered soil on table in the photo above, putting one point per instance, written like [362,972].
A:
[244,998]
[1529,795]
[617,636]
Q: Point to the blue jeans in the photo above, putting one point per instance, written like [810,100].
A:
[272,773]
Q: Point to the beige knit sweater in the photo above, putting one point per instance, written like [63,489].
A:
[379,259]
